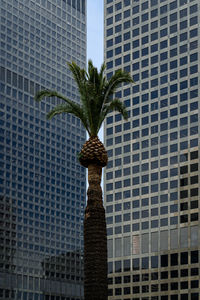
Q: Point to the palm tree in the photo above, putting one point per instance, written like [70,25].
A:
[96,101]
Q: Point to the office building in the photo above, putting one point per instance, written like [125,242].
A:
[152,178]
[42,185]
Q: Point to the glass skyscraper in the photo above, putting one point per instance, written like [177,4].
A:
[152,179]
[42,185]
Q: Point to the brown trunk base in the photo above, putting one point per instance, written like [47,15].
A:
[95,265]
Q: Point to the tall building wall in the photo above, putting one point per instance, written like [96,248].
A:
[42,185]
[151,182]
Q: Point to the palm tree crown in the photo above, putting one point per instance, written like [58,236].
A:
[96,95]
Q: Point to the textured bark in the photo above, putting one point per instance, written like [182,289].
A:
[93,152]
[95,239]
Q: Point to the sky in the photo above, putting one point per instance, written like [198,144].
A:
[95,31]
[95,15]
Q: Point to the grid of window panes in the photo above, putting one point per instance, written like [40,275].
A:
[152,179]
[42,185]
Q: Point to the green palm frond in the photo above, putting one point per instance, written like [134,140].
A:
[73,109]
[81,79]
[70,107]
[114,82]
[96,96]
[114,105]
[102,77]
[117,105]
[47,93]
[79,76]
[62,108]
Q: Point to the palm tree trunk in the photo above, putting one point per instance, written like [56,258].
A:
[95,239]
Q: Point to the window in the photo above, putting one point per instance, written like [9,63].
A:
[173,17]
[163,56]
[126,2]
[118,50]
[136,264]
[109,32]
[109,10]
[145,51]
[135,21]
[194,257]
[118,6]
[154,224]
[145,5]
[127,126]
[135,192]
[154,164]
[118,28]
[136,134]
[126,15]
[163,68]
[118,17]
[193,9]
[193,57]
[193,33]
[173,29]
[154,261]
[154,48]
[154,212]
[145,262]
[126,58]
[118,39]
[154,82]
[154,59]
[118,61]
[183,24]
[154,188]
[183,37]
[193,21]
[145,17]
[174,259]
[154,36]
[145,97]
[109,21]
[145,28]
[173,64]
[183,49]
[145,155]
[164,263]
[193,81]
[109,43]
[154,24]
[145,62]
[136,54]
[154,2]
[183,60]
[154,13]
[145,167]
[184,258]
[127,47]
[183,121]
[136,278]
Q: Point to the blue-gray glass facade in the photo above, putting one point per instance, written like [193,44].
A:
[151,182]
[42,185]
